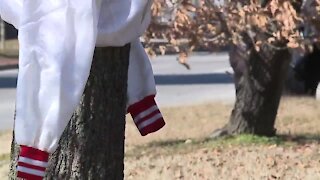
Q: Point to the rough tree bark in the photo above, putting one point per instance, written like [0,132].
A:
[258,95]
[92,146]
[302,81]
[237,59]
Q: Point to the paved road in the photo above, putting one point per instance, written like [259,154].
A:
[8,80]
[206,81]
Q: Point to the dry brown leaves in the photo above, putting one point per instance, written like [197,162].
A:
[274,24]
[187,26]
[252,162]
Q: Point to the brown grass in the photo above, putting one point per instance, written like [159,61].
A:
[11,48]
[177,157]
[5,141]
[161,155]
[296,116]
[299,116]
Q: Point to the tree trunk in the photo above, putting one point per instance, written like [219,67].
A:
[258,95]
[237,59]
[294,85]
[92,146]
[305,75]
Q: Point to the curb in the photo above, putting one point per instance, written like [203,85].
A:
[10,66]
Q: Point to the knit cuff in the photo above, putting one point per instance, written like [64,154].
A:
[146,115]
[32,163]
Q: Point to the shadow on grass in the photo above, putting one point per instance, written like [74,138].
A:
[187,145]
[300,139]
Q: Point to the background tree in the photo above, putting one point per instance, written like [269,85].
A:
[263,32]
[92,146]
[267,31]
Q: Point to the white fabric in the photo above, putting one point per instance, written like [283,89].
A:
[57,39]
[33,162]
[10,11]
[153,119]
[145,113]
[122,21]
[31,171]
[54,64]
[141,81]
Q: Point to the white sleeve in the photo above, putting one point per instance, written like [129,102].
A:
[57,39]
[142,91]
[141,82]
[10,11]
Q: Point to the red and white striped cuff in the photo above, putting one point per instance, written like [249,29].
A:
[32,163]
[146,115]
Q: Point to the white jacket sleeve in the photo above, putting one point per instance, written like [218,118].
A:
[10,11]
[57,39]
[142,91]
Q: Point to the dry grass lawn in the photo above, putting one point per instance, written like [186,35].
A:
[11,48]
[180,150]
[296,116]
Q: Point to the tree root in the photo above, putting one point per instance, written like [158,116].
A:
[220,133]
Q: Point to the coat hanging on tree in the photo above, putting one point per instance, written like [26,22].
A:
[57,39]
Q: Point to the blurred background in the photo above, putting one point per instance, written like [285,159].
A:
[238,86]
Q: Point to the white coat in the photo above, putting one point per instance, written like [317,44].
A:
[57,40]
